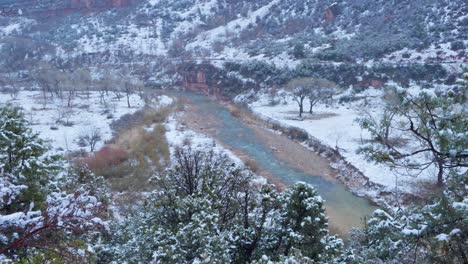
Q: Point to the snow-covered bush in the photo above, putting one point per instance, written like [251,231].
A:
[434,233]
[208,210]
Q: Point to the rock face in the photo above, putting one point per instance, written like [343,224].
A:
[331,12]
[195,78]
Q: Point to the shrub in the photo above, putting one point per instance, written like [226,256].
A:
[108,156]
[297,134]
[457,45]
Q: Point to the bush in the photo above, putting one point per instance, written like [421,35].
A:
[457,45]
[298,51]
[108,156]
[297,134]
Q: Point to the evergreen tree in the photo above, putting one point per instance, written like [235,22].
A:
[433,233]
[298,51]
[434,124]
[24,157]
[46,214]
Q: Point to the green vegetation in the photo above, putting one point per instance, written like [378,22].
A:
[47,213]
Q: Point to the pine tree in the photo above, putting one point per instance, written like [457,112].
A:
[433,233]
[435,124]
[43,216]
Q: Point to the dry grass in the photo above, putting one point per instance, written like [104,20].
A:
[244,114]
[147,152]
[152,116]
[427,189]
[108,156]
[235,111]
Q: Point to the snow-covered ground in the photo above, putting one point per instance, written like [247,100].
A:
[16,25]
[336,127]
[86,115]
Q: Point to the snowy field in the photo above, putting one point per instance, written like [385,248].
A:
[86,114]
[336,127]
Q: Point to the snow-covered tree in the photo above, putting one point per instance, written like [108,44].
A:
[46,213]
[423,131]
[208,210]
[305,223]
[434,233]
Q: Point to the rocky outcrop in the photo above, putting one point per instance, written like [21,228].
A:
[331,12]
[202,78]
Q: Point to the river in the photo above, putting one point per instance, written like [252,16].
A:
[345,209]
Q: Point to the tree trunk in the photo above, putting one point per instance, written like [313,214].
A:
[128,100]
[310,109]
[301,108]
[440,174]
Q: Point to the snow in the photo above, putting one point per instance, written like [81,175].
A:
[452,60]
[164,100]
[414,232]
[442,237]
[335,126]
[221,33]
[9,191]
[86,115]
[16,26]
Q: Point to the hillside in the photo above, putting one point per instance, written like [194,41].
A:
[285,31]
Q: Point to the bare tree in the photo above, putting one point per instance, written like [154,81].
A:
[70,84]
[321,91]
[90,138]
[43,77]
[105,82]
[8,82]
[64,115]
[300,89]
[128,89]
[82,78]
[130,83]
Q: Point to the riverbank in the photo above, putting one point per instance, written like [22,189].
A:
[346,172]
[205,125]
